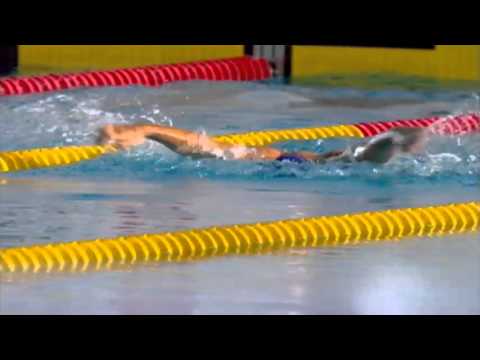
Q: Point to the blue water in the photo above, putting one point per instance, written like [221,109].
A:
[150,189]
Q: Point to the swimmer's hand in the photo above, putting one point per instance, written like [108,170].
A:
[121,136]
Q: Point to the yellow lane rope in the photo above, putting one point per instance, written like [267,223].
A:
[264,138]
[50,157]
[346,230]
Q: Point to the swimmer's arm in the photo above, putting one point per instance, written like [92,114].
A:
[194,144]
[183,142]
[383,148]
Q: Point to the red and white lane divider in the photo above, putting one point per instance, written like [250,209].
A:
[449,125]
[235,69]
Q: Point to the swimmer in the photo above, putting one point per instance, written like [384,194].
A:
[379,149]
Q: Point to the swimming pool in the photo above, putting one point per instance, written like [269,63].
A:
[151,190]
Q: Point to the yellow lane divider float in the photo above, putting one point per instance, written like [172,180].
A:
[50,157]
[347,230]
[264,138]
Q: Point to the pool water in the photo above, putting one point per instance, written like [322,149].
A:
[151,190]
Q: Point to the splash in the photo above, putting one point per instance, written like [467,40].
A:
[74,117]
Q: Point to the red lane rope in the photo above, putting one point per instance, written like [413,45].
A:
[235,69]
[449,125]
